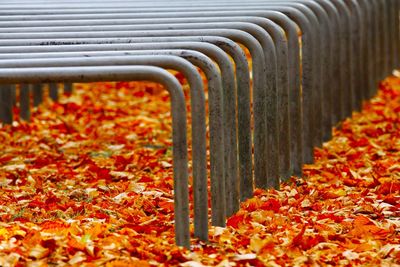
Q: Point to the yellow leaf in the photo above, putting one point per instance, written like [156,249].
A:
[38,252]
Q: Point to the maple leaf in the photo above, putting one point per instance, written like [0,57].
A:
[363,226]
[389,188]
[271,204]
[236,220]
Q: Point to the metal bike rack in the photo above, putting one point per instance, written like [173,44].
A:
[243,37]
[123,73]
[306,79]
[272,165]
[281,50]
[215,130]
[318,127]
[198,112]
[276,164]
[207,48]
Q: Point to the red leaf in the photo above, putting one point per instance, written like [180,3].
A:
[271,204]
[333,217]
[297,240]
[49,243]
[389,188]
[235,220]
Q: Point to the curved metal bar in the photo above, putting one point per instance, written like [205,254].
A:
[209,49]
[338,53]
[123,73]
[232,187]
[308,11]
[392,35]
[293,83]
[327,78]
[215,99]
[384,29]
[396,32]
[268,25]
[370,52]
[357,60]
[377,44]
[344,57]
[230,13]
[6,113]
[245,152]
[360,48]
[309,64]
[317,99]
[282,82]
[198,114]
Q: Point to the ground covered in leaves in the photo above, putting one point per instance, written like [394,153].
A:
[88,182]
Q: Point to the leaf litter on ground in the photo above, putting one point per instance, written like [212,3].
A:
[88,182]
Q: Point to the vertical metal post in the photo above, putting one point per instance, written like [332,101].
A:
[37,91]
[24,102]
[6,103]
[68,87]
[53,91]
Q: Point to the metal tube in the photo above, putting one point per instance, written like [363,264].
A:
[199,139]
[186,15]
[6,113]
[284,131]
[370,52]
[376,33]
[123,73]
[267,24]
[360,48]
[53,90]
[24,102]
[228,79]
[232,186]
[230,12]
[337,71]
[37,92]
[198,113]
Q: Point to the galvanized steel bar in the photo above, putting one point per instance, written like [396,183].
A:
[37,92]
[198,132]
[53,91]
[24,101]
[225,67]
[266,23]
[304,116]
[256,168]
[367,40]
[231,161]
[123,73]
[6,105]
